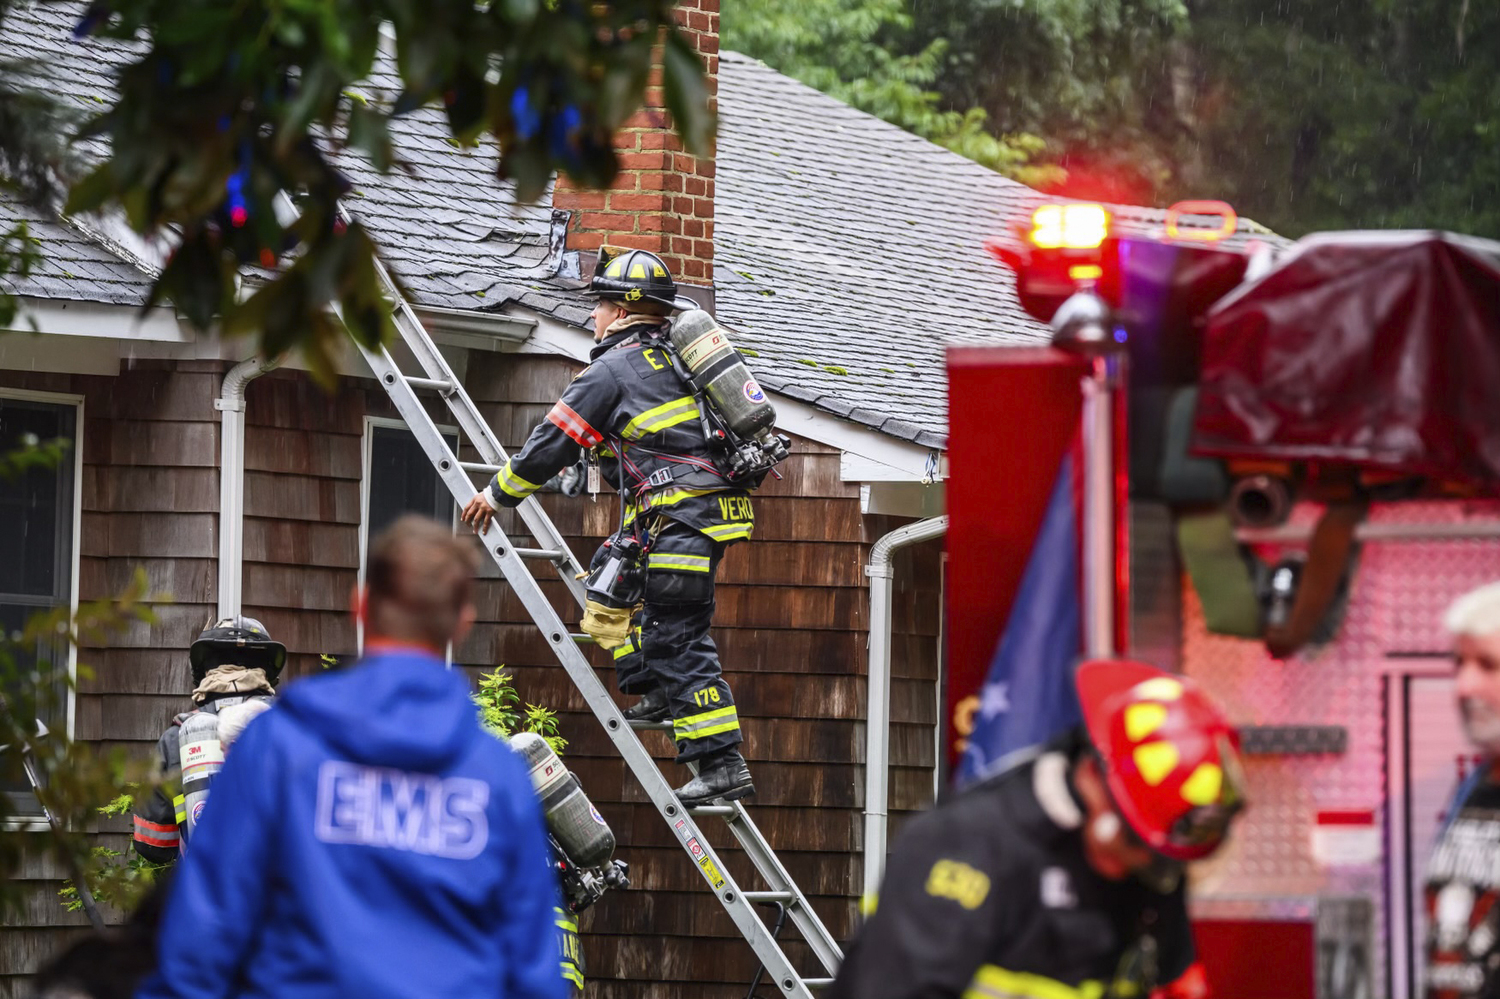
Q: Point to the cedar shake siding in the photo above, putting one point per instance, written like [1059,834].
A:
[791,624]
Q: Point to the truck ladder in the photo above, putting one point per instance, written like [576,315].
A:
[438,377]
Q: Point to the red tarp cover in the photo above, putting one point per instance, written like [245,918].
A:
[1379,349]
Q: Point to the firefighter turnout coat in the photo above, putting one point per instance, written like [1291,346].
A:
[643,420]
[989,896]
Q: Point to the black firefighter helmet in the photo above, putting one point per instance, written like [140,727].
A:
[237,641]
[635,276]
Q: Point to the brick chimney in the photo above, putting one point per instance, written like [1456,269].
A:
[663,198]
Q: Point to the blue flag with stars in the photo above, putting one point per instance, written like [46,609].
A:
[1028,695]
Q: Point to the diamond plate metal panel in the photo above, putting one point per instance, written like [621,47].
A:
[1396,604]
[1155,597]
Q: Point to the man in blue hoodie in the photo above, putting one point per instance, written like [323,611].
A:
[367,838]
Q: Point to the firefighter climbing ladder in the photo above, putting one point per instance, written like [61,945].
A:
[436,376]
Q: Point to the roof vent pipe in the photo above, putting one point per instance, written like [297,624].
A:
[878,696]
[231,403]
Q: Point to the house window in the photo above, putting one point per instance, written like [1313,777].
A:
[399,480]
[38,527]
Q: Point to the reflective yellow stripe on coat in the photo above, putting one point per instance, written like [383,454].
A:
[659,418]
[679,562]
[512,484]
[994,982]
[708,723]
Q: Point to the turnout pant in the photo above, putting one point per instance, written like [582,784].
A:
[671,646]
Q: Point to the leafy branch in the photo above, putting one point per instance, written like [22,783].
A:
[501,713]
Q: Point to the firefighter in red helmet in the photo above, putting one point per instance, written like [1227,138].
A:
[1061,878]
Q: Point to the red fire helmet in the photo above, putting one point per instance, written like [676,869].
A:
[1170,757]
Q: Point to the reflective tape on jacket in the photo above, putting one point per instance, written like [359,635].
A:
[659,418]
[156,834]
[709,723]
[667,497]
[679,562]
[994,982]
[729,532]
[512,484]
[629,648]
[179,805]
[562,416]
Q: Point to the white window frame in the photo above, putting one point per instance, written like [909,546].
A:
[74,563]
[367,457]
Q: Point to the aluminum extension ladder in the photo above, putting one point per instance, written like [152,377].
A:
[437,376]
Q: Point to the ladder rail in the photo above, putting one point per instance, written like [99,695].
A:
[435,366]
[581,672]
[775,874]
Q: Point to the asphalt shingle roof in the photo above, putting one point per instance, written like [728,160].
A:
[71,265]
[448,229]
[848,254]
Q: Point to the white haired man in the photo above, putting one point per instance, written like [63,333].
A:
[1463,950]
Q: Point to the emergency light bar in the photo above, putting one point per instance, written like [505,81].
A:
[1229,221]
[1069,227]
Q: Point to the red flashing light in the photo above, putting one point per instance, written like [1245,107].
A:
[1069,227]
[238,216]
[1221,210]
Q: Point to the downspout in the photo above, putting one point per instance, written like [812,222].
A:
[878,696]
[231,403]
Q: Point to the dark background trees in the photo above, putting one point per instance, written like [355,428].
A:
[1306,115]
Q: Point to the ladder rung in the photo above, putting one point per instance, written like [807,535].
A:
[720,810]
[583,638]
[479,466]
[436,384]
[817,983]
[549,554]
[767,896]
[650,726]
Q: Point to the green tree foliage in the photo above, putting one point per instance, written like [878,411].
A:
[502,715]
[1091,76]
[860,52]
[1373,113]
[230,104]
[77,782]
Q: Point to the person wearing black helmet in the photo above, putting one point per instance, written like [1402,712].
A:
[637,420]
[233,661]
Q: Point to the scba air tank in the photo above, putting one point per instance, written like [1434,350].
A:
[717,369]
[201,757]
[577,825]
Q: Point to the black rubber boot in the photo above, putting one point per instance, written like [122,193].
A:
[723,777]
[653,707]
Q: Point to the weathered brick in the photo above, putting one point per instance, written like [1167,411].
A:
[616,221]
[626,202]
[641,241]
[695,185]
[578,200]
[648,160]
[692,227]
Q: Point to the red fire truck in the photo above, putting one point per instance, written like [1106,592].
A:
[1293,464]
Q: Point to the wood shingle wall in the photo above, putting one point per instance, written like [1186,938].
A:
[791,623]
[790,626]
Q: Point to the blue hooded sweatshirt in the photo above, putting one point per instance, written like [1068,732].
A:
[366,838]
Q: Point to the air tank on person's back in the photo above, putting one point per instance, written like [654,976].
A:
[718,370]
[571,818]
[201,757]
